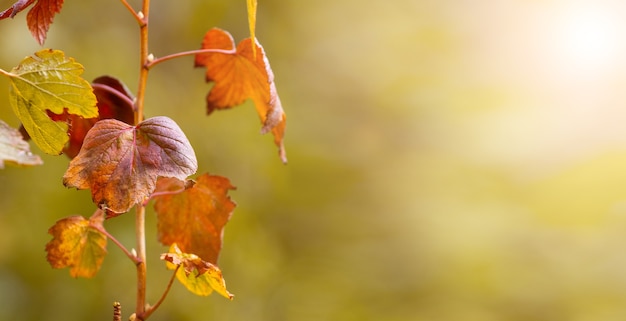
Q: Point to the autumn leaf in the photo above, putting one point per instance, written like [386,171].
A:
[239,75]
[114,101]
[39,18]
[198,276]
[120,163]
[14,149]
[49,82]
[194,218]
[79,244]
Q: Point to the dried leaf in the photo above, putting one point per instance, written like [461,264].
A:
[239,75]
[78,243]
[194,218]
[14,149]
[198,276]
[49,82]
[120,163]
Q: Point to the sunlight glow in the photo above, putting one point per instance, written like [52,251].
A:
[589,37]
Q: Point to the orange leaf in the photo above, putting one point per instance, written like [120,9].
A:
[78,243]
[207,276]
[120,163]
[194,218]
[241,75]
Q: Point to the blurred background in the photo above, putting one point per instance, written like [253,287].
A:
[448,160]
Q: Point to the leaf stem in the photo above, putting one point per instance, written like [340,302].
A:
[131,256]
[6,73]
[153,308]
[156,61]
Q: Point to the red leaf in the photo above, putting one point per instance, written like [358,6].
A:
[195,217]
[40,18]
[15,8]
[114,99]
[239,75]
[120,163]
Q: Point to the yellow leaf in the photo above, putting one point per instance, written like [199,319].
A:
[49,82]
[198,276]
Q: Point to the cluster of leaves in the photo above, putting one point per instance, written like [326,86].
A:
[126,161]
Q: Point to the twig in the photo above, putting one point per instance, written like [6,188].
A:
[132,11]
[151,309]
[132,257]
[156,61]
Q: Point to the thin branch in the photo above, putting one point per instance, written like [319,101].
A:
[114,92]
[143,61]
[132,12]
[156,61]
[151,309]
[140,215]
[132,257]
[140,231]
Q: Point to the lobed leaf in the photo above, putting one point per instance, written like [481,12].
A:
[239,75]
[49,82]
[14,149]
[198,276]
[194,218]
[79,244]
[120,163]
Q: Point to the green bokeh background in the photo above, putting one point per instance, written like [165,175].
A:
[446,162]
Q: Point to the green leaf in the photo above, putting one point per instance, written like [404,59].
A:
[14,149]
[48,81]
